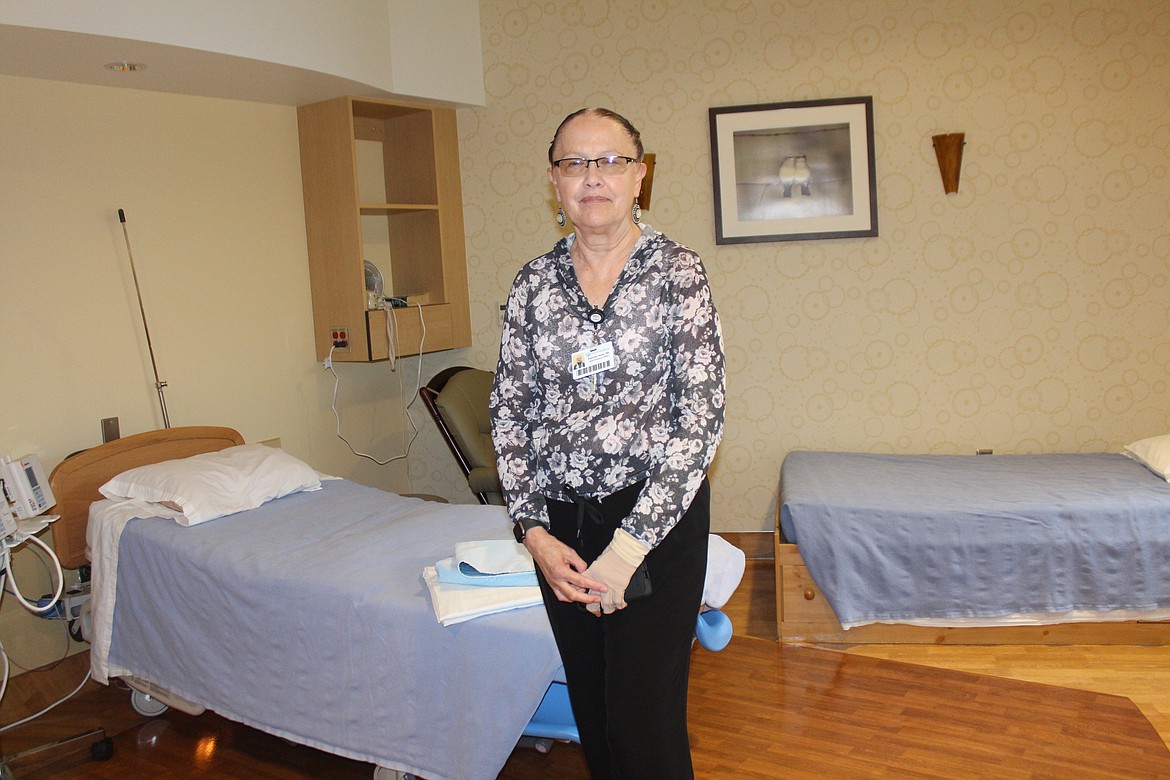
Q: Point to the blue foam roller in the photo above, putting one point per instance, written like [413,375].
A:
[713,629]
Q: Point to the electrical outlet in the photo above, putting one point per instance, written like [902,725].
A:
[110,429]
[502,314]
[339,338]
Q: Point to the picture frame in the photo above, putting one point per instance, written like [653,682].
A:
[794,171]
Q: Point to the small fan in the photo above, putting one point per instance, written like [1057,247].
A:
[374,282]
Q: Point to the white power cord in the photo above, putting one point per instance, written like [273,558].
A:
[13,541]
[393,350]
[392,340]
[57,703]
[47,566]
[8,576]
[3,654]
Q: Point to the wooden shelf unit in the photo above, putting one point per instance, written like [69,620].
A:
[381,183]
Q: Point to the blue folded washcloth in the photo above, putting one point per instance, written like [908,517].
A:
[492,562]
[450,573]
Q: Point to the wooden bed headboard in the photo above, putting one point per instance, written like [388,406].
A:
[76,480]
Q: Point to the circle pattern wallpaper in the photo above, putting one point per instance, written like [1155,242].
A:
[1028,312]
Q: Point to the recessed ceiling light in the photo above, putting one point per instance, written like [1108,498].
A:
[126,67]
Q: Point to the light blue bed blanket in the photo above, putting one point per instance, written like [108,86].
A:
[308,618]
[905,537]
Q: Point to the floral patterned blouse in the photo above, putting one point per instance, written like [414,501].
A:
[655,415]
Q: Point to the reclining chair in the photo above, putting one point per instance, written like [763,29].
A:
[457,399]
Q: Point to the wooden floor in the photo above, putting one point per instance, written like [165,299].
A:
[758,710]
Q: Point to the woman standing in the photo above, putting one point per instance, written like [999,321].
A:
[606,411]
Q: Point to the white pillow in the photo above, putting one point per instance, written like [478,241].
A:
[1153,453]
[213,484]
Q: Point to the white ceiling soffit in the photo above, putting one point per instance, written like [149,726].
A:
[81,57]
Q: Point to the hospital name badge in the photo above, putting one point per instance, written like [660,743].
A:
[594,360]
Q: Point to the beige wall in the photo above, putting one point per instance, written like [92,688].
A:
[212,194]
[1027,313]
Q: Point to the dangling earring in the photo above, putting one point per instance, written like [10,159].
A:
[637,211]
[561,216]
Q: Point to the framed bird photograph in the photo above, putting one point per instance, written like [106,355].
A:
[791,171]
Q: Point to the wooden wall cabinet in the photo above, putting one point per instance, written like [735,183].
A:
[381,183]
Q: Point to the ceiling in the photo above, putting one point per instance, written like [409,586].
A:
[80,57]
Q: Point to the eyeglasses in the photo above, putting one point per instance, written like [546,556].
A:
[613,165]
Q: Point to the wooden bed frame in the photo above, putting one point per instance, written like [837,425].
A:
[76,480]
[803,615]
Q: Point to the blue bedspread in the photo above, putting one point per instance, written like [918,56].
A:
[308,618]
[902,537]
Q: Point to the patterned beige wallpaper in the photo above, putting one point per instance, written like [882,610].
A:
[1026,313]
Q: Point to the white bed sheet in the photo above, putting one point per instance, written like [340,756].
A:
[107,520]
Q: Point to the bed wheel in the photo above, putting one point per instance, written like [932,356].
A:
[102,750]
[539,744]
[75,631]
[386,773]
[146,705]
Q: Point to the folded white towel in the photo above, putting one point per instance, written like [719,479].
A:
[493,556]
[458,603]
[725,567]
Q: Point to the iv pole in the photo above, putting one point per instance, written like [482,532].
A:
[158,383]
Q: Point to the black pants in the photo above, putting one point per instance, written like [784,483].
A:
[627,672]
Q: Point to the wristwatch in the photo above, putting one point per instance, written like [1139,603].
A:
[521,527]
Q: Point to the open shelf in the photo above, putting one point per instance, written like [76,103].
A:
[381,184]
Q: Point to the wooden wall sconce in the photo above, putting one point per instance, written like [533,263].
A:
[949,151]
[647,183]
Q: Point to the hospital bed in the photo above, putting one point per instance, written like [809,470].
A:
[307,616]
[1046,549]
